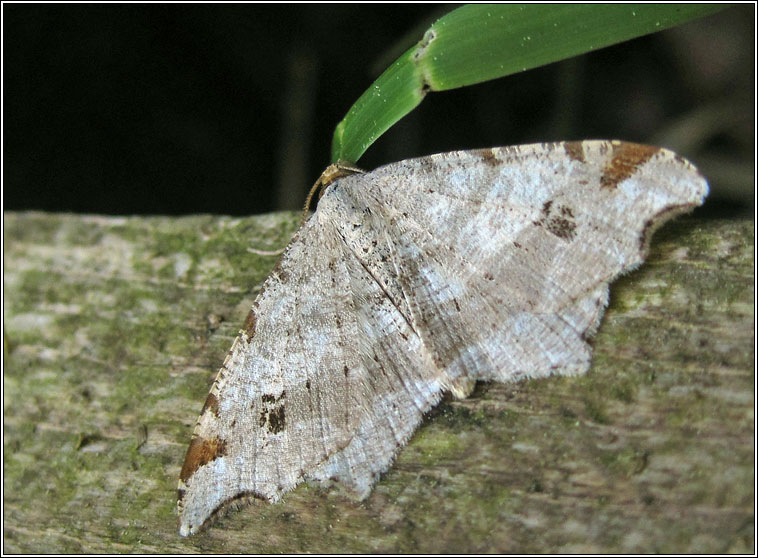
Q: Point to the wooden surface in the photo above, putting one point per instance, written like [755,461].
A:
[114,329]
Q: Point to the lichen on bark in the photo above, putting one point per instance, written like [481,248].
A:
[114,329]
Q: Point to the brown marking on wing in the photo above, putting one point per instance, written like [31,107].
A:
[280,272]
[201,451]
[211,403]
[263,418]
[273,418]
[574,150]
[560,227]
[272,415]
[559,222]
[249,326]
[625,159]
[276,420]
[489,157]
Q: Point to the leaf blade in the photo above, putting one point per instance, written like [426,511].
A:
[476,43]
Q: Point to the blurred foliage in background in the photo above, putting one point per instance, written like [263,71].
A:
[178,109]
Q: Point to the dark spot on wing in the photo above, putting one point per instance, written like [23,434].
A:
[273,418]
[272,412]
[574,150]
[276,420]
[560,222]
[562,228]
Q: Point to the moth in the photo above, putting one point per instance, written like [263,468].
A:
[420,278]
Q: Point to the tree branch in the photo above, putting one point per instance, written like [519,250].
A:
[114,329]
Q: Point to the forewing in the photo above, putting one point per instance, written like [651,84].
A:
[503,256]
[326,380]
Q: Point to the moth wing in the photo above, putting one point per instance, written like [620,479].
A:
[421,276]
[326,381]
[502,257]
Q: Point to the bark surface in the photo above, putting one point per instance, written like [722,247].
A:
[114,329]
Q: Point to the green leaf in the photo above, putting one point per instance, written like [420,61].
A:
[479,42]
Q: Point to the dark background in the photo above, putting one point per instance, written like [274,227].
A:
[230,109]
